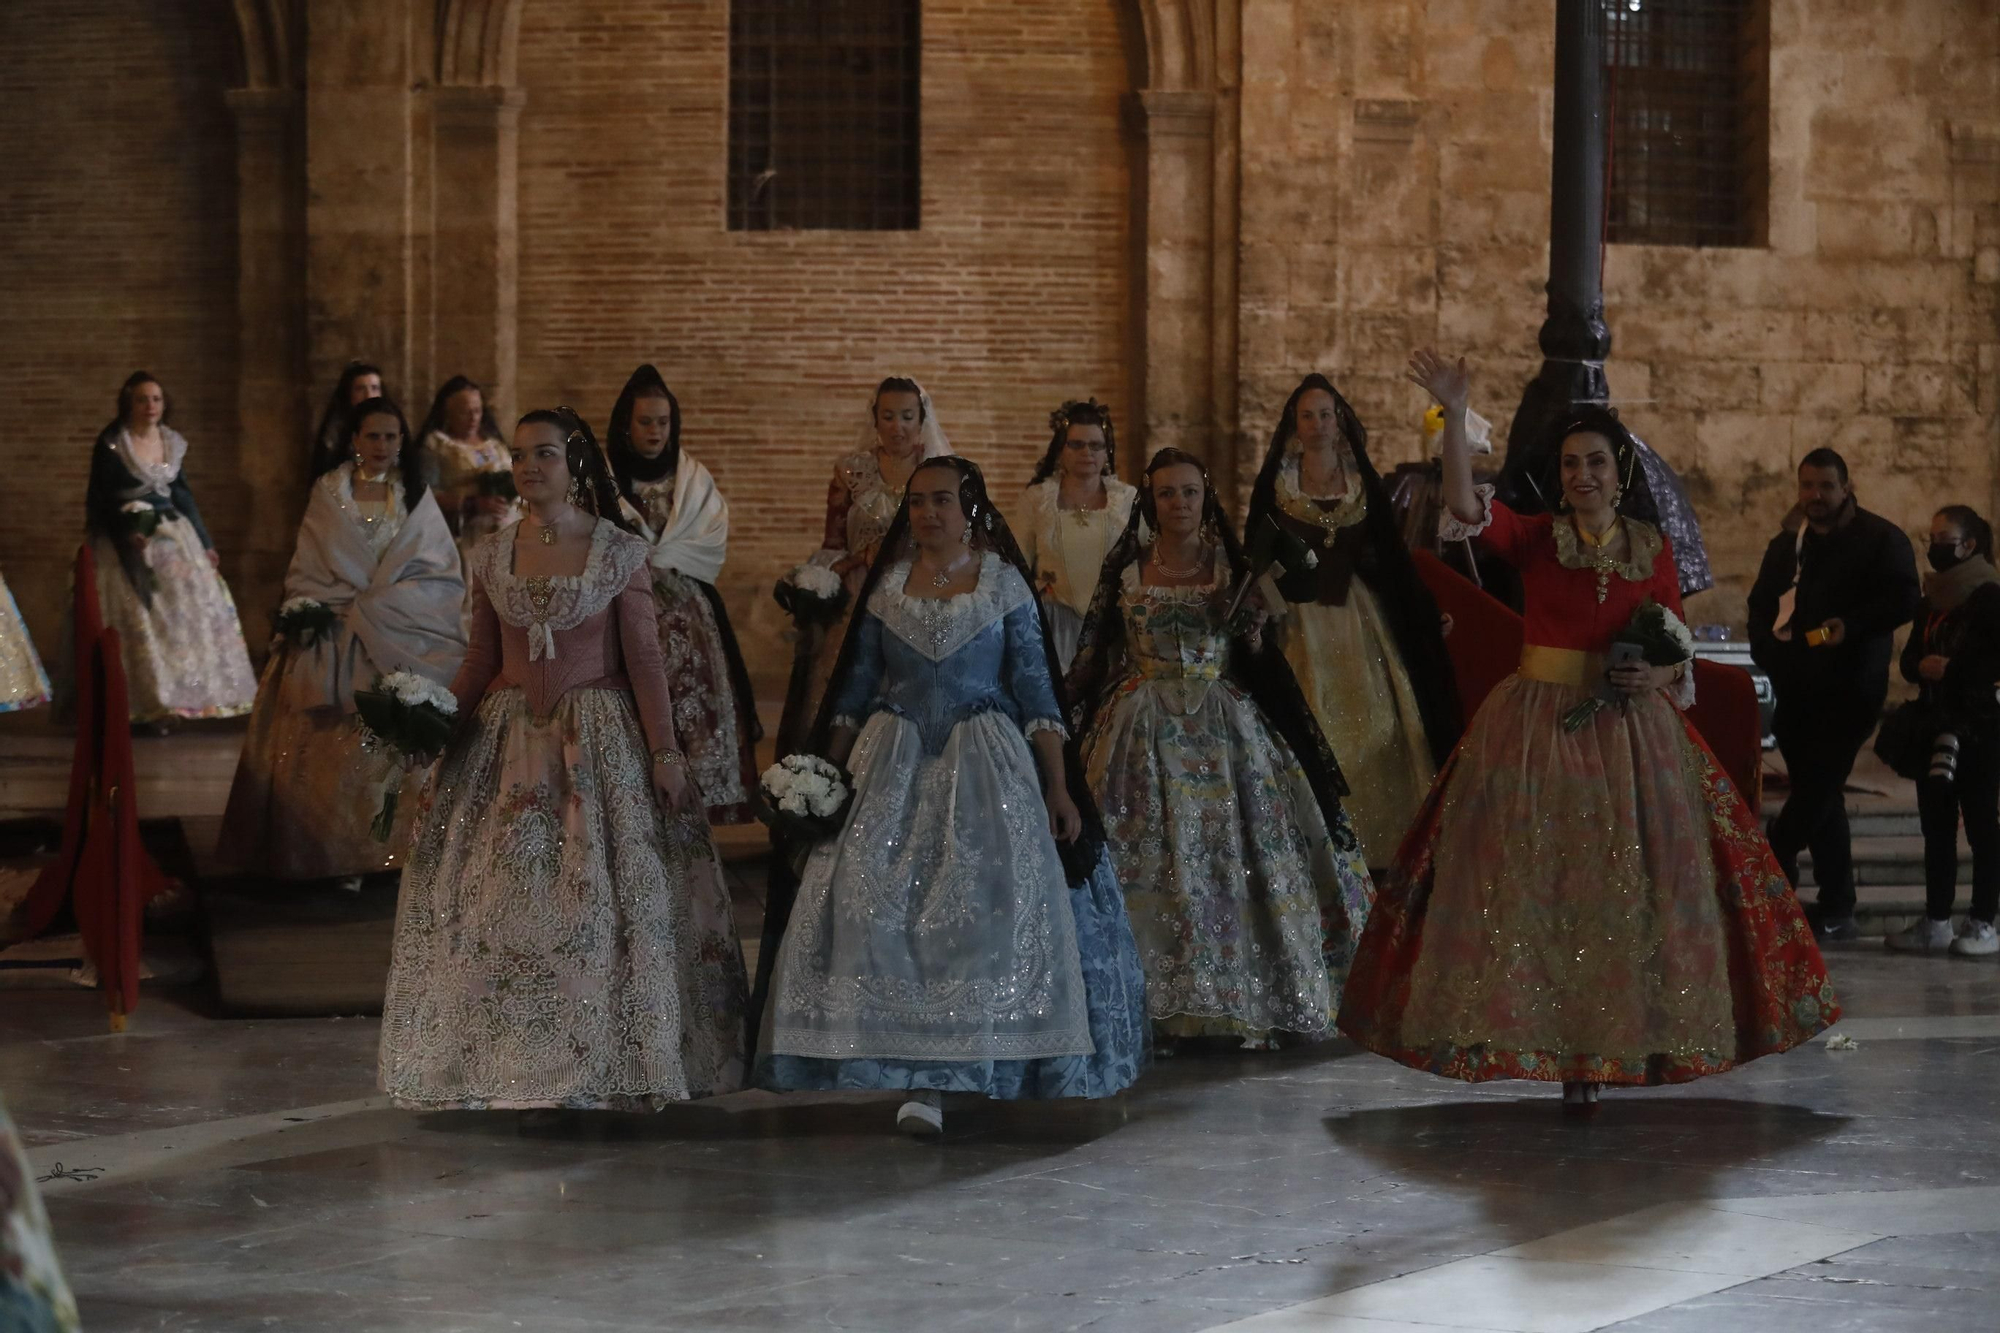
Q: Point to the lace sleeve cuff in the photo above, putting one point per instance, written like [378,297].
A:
[1035,724]
[1682,690]
[1451,528]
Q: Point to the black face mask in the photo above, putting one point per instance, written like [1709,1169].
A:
[1944,555]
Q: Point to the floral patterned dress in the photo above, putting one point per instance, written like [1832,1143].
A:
[716,727]
[461,464]
[177,624]
[1597,905]
[23,683]
[937,942]
[1245,900]
[560,941]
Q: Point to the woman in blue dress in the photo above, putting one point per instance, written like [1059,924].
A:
[964,931]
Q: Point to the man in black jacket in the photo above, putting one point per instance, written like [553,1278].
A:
[1827,601]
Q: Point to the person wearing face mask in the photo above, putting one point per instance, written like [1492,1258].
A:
[900,431]
[1953,657]
[1585,897]
[1831,592]
[674,503]
[373,549]
[1360,629]
[1077,506]
[1245,883]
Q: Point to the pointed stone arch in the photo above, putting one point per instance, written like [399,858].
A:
[477,43]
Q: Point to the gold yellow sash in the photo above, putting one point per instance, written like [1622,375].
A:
[1561,666]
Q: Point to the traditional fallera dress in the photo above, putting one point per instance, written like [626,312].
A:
[1344,650]
[23,683]
[177,625]
[1246,896]
[1066,550]
[936,942]
[460,466]
[1593,906]
[305,794]
[560,942]
[859,508]
[686,519]
[34,1297]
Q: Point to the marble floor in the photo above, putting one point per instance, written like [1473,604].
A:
[234,1175]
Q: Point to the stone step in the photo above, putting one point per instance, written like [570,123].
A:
[1889,860]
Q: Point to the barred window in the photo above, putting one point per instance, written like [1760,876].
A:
[823,98]
[1687,87]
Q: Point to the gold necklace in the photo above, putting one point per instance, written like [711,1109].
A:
[1599,557]
[547,531]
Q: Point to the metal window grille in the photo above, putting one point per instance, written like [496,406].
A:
[1686,82]
[823,105]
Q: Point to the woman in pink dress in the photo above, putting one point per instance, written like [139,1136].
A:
[564,937]
[1590,903]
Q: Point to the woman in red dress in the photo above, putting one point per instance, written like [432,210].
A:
[1583,906]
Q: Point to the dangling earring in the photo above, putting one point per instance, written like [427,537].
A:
[576,490]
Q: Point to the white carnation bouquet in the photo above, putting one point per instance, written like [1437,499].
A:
[805,797]
[811,595]
[302,620]
[411,715]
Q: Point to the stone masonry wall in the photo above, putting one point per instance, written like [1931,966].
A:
[1395,192]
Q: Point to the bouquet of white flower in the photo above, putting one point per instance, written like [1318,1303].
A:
[140,519]
[811,595]
[1662,639]
[413,716]
[302,620]
[805,797]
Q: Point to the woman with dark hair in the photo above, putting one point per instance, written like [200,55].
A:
[1244,881]
[373,550]
[1077,507]
[157,580]
[1360,630]
[1585,898]
[1953,658]
[469,456]
[564,936]
[358,382]
[963,931]
[673,501]
[900,432]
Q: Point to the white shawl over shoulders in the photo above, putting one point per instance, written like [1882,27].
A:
[695,538]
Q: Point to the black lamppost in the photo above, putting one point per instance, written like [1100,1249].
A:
[1575,339]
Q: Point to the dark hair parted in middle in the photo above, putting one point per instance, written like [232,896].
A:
[1077,412]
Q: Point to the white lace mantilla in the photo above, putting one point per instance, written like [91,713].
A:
[937,627]
[545,603]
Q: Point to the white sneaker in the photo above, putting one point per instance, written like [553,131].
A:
[1976,939]
[1924,937]
[922,1116]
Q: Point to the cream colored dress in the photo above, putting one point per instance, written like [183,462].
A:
[1347,664]
[1066,549]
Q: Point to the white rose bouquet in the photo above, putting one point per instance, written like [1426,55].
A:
[302,620]
[409,714]
[805,797]
[811,595]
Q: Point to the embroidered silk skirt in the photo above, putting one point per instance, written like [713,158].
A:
[710,722]
[558,941]
[23,683]
[1597,906]
[937,944]
[1245,904]
[184,653]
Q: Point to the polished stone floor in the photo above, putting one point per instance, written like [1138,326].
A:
[235,1175]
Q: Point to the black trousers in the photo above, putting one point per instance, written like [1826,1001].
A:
[1976,793]
[1820,735]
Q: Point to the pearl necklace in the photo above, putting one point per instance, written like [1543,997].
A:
[1160,566]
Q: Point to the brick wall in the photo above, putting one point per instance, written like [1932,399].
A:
[117,251]
[1010,298]
[1396,192]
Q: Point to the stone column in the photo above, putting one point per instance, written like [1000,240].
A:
[1173,290]
[477,252]
[264,501]
[360,71]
